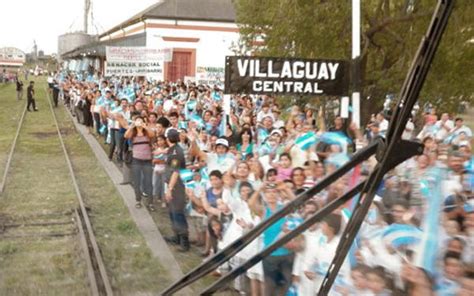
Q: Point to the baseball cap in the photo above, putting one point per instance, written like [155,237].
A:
[222,142]
[277,131]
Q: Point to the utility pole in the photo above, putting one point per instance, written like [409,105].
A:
[356,62]
[87,8]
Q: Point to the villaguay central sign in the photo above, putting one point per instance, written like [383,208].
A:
[264,75]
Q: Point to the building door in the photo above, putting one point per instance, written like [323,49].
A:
[183,64]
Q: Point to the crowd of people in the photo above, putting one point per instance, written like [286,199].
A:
[221,165]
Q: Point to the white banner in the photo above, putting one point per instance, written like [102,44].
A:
[210,75]
[134,69]
[138,54]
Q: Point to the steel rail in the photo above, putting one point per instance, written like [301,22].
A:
[102,281]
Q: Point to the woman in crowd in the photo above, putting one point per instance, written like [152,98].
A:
[142,171]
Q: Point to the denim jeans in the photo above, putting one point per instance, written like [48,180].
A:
[277,271]
[179,223]
[142,171]
[97,122]
[159,185]
[116,144]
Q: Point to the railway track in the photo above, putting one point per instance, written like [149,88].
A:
[75,223]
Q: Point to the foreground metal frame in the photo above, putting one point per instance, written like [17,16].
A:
[389,153]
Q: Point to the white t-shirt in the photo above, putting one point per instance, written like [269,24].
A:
[168,105]
[262,114]
[407,135]
[221,163]
[299,157]
[383,126]
[442,132]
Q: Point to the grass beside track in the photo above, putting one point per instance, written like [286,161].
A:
[10,114]
[126,255]
[39,185]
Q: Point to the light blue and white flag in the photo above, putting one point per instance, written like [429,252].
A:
[198,120]
[427,250]
[186,175]
[401,235]
[190,184]
[182,125]
[335,138]
[338,159]
[262,135]
[304,142]
[223,126]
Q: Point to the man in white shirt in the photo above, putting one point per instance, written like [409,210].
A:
[383,123]
[460,132]
[266,111]
[220,160]
[443,127]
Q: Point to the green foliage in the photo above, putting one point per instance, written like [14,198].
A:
[391,32]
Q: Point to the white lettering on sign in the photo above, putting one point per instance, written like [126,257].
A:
[242,66]
[257,85]
[286,86]
[133,69]
[333,69]
[289,70]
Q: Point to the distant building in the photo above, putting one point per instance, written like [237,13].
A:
[11,57]
[200,32]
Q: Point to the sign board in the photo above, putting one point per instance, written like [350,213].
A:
[264,75]
[138,54]
[210,75]
[133,68]
[136,61]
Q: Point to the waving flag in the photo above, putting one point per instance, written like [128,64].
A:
[307,140]
[198,120]
[223,126]
[189,108]
[186,175]
[190,184]
[338,160]
[398,235]
[427,252]
[262,135]
[265,149]
[336,138]
[183,125]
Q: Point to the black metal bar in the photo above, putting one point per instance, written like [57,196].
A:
[318,216]
[242,242]
[409,95]
[409,150]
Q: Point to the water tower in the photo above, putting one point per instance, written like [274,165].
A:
[73,40]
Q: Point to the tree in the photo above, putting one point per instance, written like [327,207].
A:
[391,32]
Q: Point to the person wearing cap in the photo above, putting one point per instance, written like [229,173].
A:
[175,193]
[220,160]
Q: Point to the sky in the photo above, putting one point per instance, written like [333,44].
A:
[22,21]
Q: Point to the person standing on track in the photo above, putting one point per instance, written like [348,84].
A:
[175,193]
[55,93]
[19,88]
[30,92]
